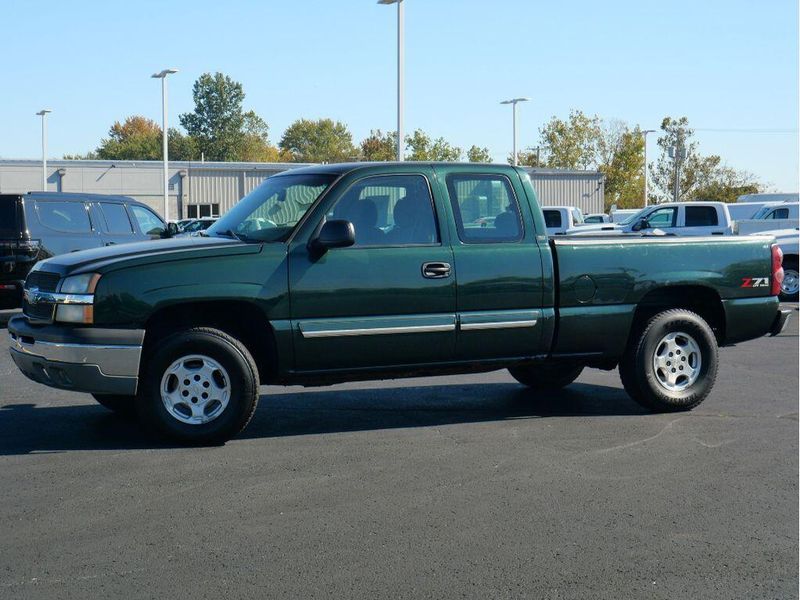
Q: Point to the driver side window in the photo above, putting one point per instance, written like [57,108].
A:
[394,210]
[662,217]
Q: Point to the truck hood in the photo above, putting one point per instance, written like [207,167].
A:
[110,257]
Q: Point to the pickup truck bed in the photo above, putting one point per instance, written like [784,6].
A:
[374,270]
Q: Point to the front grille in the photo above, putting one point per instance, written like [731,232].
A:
[41,311]
[42,280]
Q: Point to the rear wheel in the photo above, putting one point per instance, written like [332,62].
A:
[547,376]
[122,405]
[791,283]
[672,364]
[200,386]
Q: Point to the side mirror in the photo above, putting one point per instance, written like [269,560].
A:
[170,231]
[640,224]
[333,234]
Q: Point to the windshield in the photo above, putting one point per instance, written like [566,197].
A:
[762,212]
[270,212]
[635,216]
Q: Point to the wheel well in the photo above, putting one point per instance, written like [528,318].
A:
[237,318]
[790,258]
[698,299]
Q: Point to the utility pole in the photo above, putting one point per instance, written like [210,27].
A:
[678,154]
[164,133]
[513,102]
[43,113]
[644,133]
[400,74]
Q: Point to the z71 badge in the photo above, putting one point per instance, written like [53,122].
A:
[749,282]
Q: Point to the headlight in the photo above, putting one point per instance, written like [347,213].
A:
[80,284]
[75,300]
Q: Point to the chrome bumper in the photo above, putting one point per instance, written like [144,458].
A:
[113,361]
[84,364]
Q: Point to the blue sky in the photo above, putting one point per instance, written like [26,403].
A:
[730,66]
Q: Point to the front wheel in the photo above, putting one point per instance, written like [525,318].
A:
[672,364]
[200,387]
[791,283]
[546,376]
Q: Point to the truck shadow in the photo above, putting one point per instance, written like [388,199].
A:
[27,428]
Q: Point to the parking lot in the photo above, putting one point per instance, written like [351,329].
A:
[460,486]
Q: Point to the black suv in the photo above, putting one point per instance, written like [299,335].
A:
[39,225]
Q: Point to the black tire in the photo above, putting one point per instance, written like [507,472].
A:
[242,382]
[789,266]
[122,405]
[546,376]
[640,378]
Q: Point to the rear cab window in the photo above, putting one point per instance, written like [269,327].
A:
[485,208]
[552,218]
[701,216]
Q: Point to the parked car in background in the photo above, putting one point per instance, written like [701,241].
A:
[39,225]
[183,223]
[596,218]
[196,226]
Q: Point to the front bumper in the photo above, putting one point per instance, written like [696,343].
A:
[81,359]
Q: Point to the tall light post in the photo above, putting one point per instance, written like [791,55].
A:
[163,77]
[513,102]
[644,134]
[43,113]
[400,75]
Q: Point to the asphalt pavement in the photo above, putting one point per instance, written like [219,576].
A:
[442,487]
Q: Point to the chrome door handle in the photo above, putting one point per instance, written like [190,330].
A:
[435,270]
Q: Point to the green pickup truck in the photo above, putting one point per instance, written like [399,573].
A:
[379,270]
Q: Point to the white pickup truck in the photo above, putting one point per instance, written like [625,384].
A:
[671,218]
[565,220]
[770,217]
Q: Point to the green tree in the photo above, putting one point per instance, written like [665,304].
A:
[424,149]
[219,125]
[621,160]
[701,177]
[323,140]
[530,157]
[379,146]
[479,155]
[139,138]
[136,138]
[180,146]
[571,144]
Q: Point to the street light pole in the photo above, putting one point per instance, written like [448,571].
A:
[513,102]
[164,133]
[644,133]
[43,113]
[400,74]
